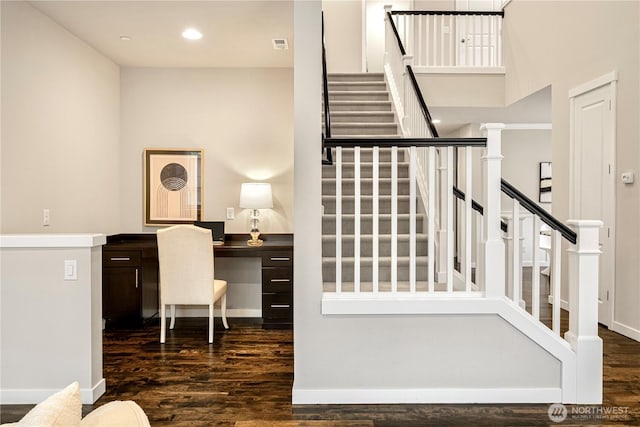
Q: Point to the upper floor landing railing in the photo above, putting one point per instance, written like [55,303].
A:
[459,39]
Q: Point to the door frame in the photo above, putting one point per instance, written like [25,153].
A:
[610,80]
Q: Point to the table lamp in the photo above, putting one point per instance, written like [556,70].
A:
[255,195]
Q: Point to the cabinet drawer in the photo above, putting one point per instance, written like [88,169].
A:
[277,259]
[121,258]
[281,300]
[277,279]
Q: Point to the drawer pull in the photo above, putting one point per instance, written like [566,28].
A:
[124,258]
[280,306]
[137,277]
[280,259]
[280,280]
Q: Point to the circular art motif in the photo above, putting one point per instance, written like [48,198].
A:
[173,177]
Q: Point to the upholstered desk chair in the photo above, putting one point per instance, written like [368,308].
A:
[185,256]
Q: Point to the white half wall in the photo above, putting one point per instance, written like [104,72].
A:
[50,328]
[60,128]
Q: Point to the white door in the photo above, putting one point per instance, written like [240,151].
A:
[593,177]
[476,35]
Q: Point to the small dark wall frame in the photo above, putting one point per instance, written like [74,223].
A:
[545,182]
[173,186]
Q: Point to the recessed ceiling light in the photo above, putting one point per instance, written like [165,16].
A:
[192,34]
[125,38]
[435,121]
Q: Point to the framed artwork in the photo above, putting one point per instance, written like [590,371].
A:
[545,182]
[172,186]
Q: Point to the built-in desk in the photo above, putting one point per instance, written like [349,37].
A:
[130,277]
[277,273]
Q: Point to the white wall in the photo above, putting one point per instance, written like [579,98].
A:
[374,353]
[565,44]
[343,29]
[60,128]
[374,30]
[50,329]
[243,120]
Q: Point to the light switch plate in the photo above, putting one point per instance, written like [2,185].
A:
[628,177]
[70,269]
[231,214]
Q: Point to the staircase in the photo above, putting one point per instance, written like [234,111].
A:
[360,107]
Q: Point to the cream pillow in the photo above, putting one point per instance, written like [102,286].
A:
[117,414]
[62,409]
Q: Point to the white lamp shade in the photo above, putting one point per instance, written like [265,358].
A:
[256,195]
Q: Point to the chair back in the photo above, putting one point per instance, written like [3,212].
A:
[185,257]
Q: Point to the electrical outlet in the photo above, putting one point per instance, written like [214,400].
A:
[231,214]
[46,217]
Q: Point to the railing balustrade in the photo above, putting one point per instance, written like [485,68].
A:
[451,38]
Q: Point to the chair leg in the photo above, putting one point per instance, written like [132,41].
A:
[210,323]
[223,309]
[163,320]
[173,316]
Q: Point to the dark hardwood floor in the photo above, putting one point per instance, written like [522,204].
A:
[245,377]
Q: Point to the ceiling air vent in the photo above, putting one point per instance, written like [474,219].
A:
[280,44]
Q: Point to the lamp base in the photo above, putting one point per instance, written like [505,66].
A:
[255,242]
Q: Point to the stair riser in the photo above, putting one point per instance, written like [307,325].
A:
[366,248]
[356,86]
[384,188]
[366,225]
[366,171]
[366,206]
[386,106]
[358,96]
[366,155]
[345,130]
[366,273]
[357,77]
[362,118]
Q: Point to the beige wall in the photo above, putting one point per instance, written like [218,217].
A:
[343,35]
[241,118]
[60,128]
[565,44]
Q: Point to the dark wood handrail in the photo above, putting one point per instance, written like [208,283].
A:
[450,12]
[404,142]
[395,31]
[325,86]
[476,206]
[423,105]
[535,209]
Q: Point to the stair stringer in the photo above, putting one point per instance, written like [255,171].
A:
[470,304]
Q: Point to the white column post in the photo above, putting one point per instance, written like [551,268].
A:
[494,270]
[583,311]
[387,34]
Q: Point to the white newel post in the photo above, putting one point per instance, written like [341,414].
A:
[494,256]
[583,311]
[387,34]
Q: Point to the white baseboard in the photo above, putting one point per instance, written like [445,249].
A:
[626,330]
[204,312]
[563,303]
[35,396]
[425,395]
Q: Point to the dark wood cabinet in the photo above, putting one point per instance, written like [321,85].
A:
[129,281]
[277,289]
[130,295]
